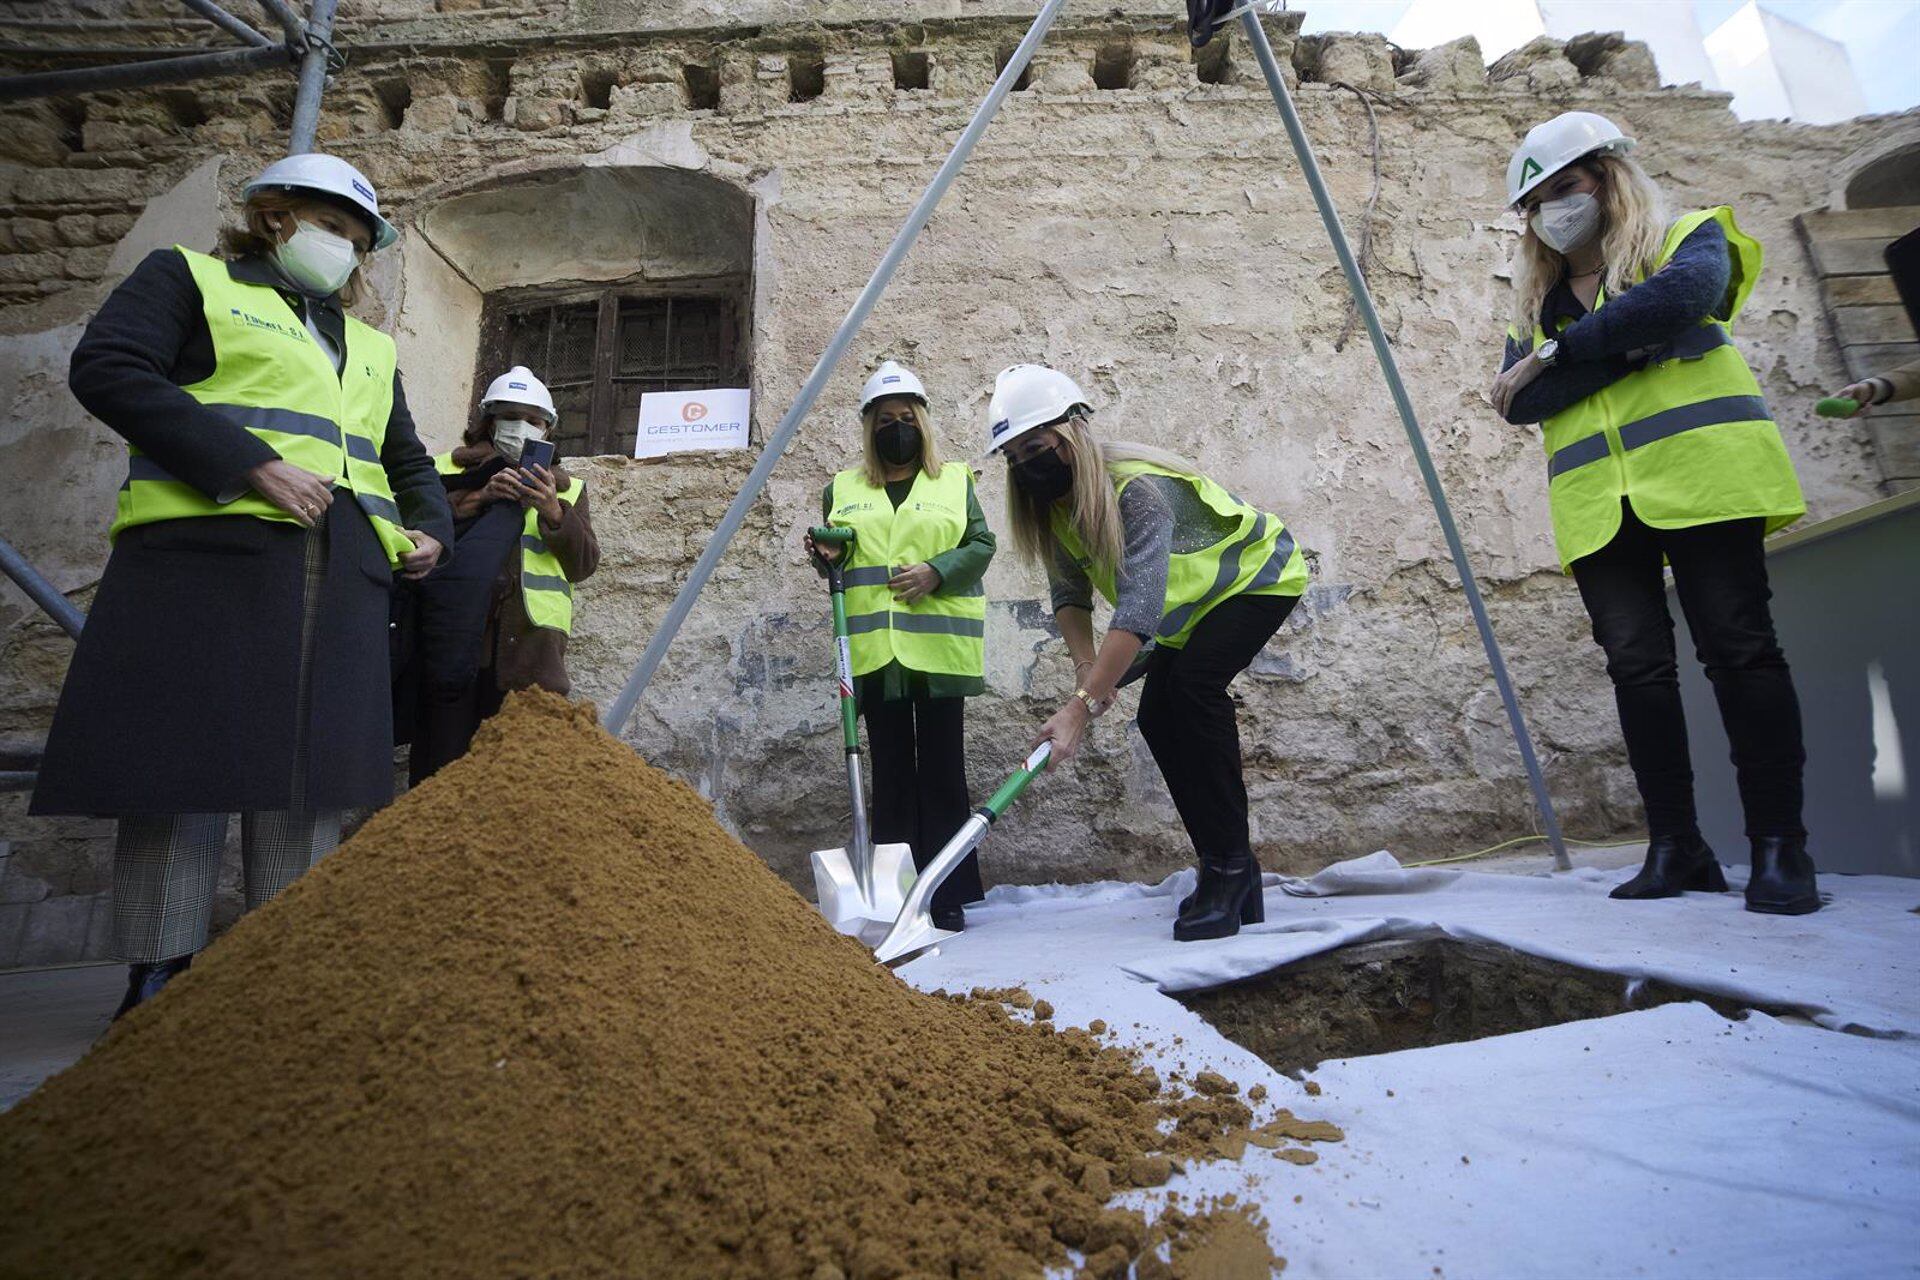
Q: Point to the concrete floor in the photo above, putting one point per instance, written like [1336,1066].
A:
[49,1017]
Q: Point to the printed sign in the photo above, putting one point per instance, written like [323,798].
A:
[673,421]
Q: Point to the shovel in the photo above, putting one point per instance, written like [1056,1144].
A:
[863,881]
[913,932]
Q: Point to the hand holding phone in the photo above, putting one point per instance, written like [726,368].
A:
[536,453]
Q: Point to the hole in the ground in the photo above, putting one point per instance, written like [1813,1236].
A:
[703,86]
[1384,997]
[806,75]
[498,87]
[596,88]
[395,97]
[1002,57]
[1113,66]
[1213,61]
[910,69]
[71,113]
[184,107]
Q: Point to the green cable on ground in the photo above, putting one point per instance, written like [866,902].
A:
[1508,844]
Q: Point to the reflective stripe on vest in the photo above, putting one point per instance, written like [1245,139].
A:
[939,634]
[545,592]
[272,379]
[1686,438]
[1258,558]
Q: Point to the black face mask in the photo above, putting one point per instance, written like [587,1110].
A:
[897,443]
[1045,477]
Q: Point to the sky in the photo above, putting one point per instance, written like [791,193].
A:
[1882,37]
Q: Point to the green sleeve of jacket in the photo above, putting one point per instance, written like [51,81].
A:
[962,568]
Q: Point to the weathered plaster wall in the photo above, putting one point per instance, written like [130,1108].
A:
[1155,240]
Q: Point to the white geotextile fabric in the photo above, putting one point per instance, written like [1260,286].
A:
[1668,1142]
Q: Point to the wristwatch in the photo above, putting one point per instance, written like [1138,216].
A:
[1547,352]
[1093,705]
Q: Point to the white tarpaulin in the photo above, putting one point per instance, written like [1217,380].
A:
[1668,1142]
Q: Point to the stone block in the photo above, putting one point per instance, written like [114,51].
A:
[111,226]
[432,115]
[89,263]
[115,135]
[1061,75]
[1610,56]
[1457,65]
[78,230]
[652,99]
[1363,61]
[31,268]
[1541,63]
[13,927]
[35,236]
[851,79]
[32,142]
[106,187]
[533,115]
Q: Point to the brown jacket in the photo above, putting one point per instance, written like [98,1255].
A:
[522,655]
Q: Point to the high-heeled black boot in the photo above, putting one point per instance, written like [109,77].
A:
[1224,900]
[1206,874]
[1782,883]
[1675,864]
[145,981]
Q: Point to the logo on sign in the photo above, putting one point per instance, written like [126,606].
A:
[693,411]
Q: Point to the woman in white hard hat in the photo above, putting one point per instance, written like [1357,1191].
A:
[498,617]
[1660,450]
[916,617]
[1202,576]
[235,659]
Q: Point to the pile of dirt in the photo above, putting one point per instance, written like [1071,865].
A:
[545,1017]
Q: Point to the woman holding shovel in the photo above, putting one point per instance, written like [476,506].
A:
[916,618]
[1660,450]
[1187,566]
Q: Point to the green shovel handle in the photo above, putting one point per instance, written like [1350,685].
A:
[833,534]
[1837,407]
[1034,765]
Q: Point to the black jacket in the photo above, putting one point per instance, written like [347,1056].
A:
[183,695]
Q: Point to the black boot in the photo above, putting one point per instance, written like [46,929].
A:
[952,919]
[1207,873]
[145,981]
[1225,900]
[1782,882]
[1675,864]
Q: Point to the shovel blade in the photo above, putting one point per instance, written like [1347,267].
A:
[910,937]
[837,888]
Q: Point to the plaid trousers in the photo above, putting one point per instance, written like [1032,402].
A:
[167,866]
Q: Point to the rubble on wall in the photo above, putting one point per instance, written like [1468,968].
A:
[1134,215]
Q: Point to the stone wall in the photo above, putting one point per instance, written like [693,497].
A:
[1133,216]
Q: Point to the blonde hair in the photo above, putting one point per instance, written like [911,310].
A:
[1632,233]
[1093,508]
[876,470]
[257,240]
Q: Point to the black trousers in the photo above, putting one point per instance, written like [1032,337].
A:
[1187,718]
[1720,576]
[918,749]
[451,623]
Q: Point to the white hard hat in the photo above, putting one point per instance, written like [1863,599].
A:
[1026,396]
[891,379]
[328,176]
[518,386]
[1551,147]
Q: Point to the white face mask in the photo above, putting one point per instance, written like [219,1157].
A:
[1565,224]
[510,436]
[316,259]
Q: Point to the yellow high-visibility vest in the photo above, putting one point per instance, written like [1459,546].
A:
[943,633]
[1687,439]
[544,588]
[1259,558]
[272,378]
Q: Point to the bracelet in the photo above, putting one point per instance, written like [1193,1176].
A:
[1880,396]
[1093,705]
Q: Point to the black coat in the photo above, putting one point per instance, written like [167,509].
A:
[182,696]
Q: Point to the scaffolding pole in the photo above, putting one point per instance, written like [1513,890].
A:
[40,591]
[319,60]
[1276,83]
[227,22]
[622,708]
[135,75]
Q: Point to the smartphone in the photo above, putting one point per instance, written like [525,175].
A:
[536,453]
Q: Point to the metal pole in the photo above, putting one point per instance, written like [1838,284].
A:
[1263,51]
[40,591]
[133,75]
[313,75]
[227,22]
[622,708]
